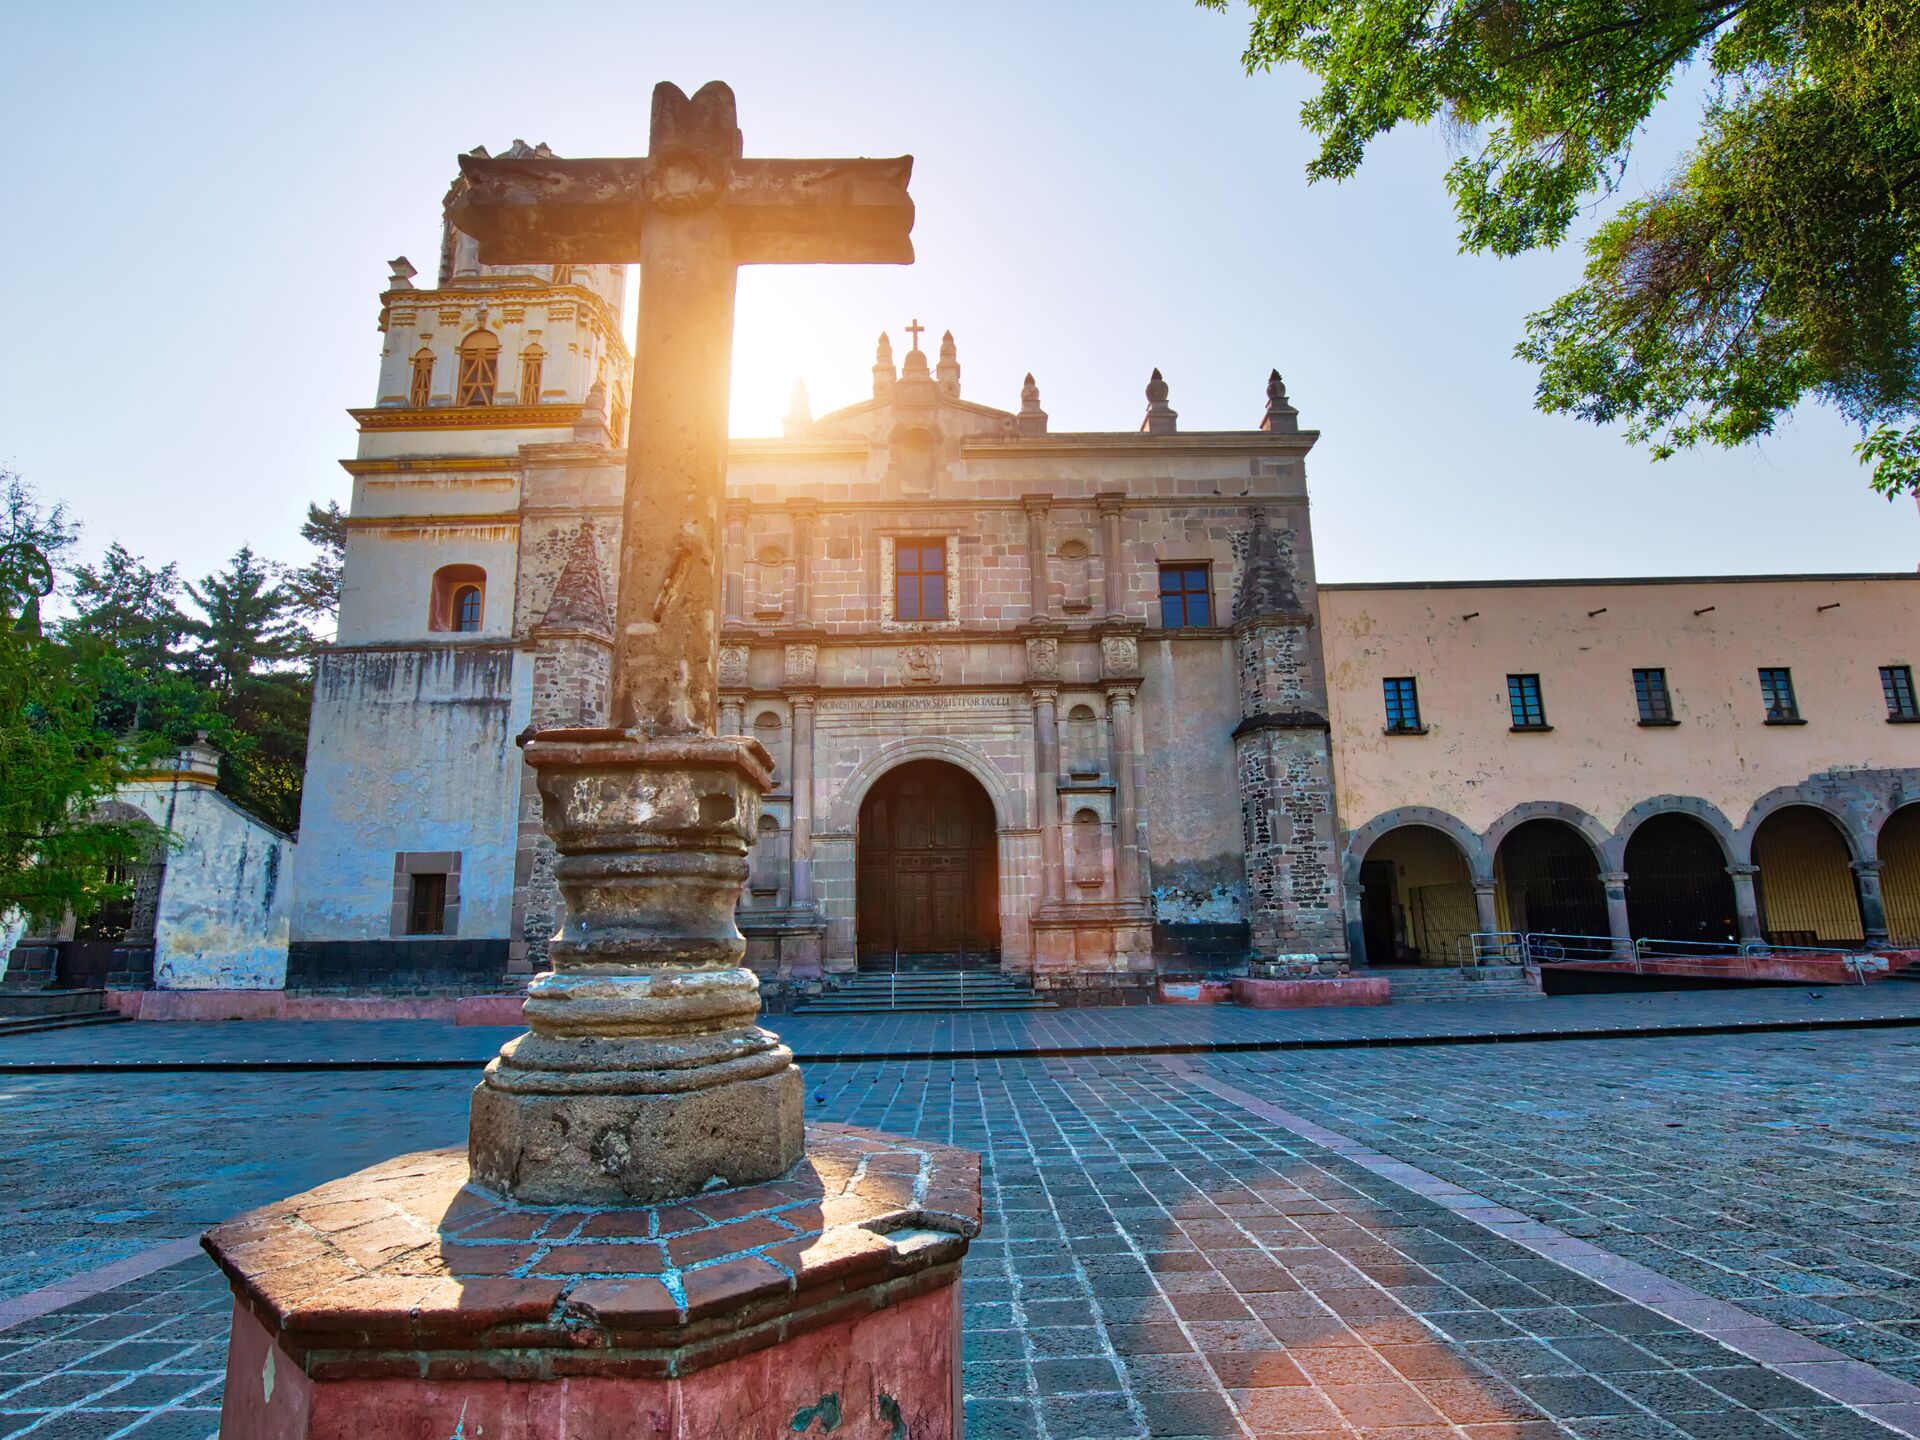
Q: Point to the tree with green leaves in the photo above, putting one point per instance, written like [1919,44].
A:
[1774,266]
[57,763]
[130,608]
[247,650]
[314,588]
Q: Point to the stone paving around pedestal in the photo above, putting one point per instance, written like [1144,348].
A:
[1155,1028]
[1158,1260]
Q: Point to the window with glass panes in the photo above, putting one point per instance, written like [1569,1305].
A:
[1896,683]
[1403,704]
[1776,691]
[1523,699]
[920,579]
[1650,694]
[1185,596]
[467,607]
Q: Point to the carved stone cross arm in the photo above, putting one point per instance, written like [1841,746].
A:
[777,212]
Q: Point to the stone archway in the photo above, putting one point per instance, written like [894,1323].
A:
[927,871]
[1807,888]
[1899,852]
[1547,878]
[1677,883]
[1417,897]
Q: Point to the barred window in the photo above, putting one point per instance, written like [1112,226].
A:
[420,387]
[1650,694]
[532,361]
[1523,699]
[479,369]
[1403,706]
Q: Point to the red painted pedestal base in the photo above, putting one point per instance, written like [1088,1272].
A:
[405,1304]
[1258,994]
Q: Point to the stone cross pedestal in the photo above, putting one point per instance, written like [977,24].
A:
[637,1242]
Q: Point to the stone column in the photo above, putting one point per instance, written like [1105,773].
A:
[801,848]
[1873,909]
[735,572]
[730,715]
[1619,927]
[1036,506]
[1115,573]
[1746,904]
[1486,909]
[803,513]
[1126,819]
[1046,787]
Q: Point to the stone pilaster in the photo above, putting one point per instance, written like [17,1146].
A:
[1046,787]
[1873,908]
[1746,904]
[1114,570]
[734,601]
[1126,826]
[1613,884]
[801,782]
[803,512]
[1486,909]
[1036,507]
[1285,763]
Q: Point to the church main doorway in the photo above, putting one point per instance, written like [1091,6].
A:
[929,874]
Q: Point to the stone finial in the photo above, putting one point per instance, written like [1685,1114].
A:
[1162,418]
[799,417]
[1281,418]
[883,371]
[403,273]
[914,366]
[593,427]
[1032,419]
[948,372]
[520,150]
[579,599]
[1266,576]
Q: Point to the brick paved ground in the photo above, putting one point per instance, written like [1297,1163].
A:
[1159,1261]
[999,1032]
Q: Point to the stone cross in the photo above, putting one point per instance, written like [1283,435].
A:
[645,1077]
[915,330]
[691,213]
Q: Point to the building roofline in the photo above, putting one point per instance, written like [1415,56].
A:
[1574,581]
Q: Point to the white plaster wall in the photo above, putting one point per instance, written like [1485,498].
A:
[222,923]
[387,583]
[410,750]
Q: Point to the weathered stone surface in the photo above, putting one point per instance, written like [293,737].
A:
[412,1268]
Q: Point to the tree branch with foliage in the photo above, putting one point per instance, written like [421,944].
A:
[1775,266]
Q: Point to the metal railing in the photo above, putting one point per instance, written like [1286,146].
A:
[1533,949]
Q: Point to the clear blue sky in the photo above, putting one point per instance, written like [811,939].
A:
[201,199]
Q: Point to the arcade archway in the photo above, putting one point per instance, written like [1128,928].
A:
[1547,880]
[1416,899]
[1678,887]
[1805,880]
[1899,851]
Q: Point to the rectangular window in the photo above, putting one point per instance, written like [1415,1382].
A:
[1523,698]
[1896,683]
[920,579]
[1650,694]
[1403,706]
[427,905]
[1185,596]
[1776,690]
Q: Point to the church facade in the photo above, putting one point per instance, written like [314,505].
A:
[1072,705]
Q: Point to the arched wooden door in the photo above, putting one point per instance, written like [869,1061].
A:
[929,875]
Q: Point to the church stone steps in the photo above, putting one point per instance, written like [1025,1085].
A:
[1489,982]
[924,990]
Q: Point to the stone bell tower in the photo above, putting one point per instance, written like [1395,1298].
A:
[1283,757]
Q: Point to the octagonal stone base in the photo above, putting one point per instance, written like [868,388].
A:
[406,1303]
[613,1149]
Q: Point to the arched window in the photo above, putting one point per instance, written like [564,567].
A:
[459,601]
[531,361]
[420,386]
[479,369]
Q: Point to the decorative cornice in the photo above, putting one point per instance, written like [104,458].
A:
[406,522]
[1281,720]
[470,417]
[508,466]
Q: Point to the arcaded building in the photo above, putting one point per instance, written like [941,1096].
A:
[1071,705]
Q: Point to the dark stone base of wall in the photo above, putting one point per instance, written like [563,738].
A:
[395,966]
[1200,949]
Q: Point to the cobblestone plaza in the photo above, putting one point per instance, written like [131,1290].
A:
[1701,1236]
